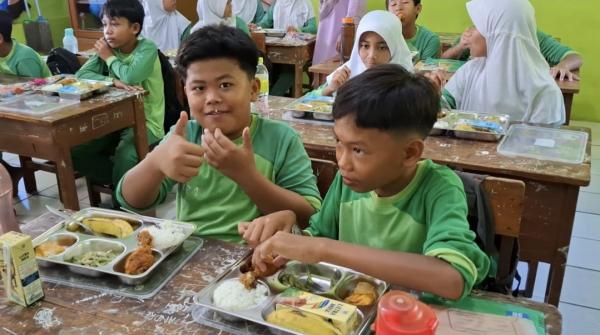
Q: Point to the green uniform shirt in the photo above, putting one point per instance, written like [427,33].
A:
[23,61]
[260,12]
[551,49]
[309,26]
[426,42]
[216,204]
[242,25]
[141,67]
[428,217]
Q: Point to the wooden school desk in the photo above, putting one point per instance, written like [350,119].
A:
[568,88]
[293,52]
[550,196]
[77,311]
[51,137]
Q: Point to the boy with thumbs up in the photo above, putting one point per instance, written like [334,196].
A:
[230,165]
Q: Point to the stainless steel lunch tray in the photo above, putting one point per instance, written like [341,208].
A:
[343,279]
[447,124]
[82,95]
[305,112]
[123,246]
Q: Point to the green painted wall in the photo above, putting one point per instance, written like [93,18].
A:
[57,14]
[581,33]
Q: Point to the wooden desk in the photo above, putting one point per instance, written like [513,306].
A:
[51,137]
[292,52]
[77,311]
[550,196]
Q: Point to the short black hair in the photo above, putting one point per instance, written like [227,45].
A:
[6,26]
[131,10]
[218,41]
[387,3]
[389,98]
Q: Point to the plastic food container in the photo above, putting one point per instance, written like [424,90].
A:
[560,145]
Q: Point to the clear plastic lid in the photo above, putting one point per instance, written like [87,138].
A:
[560,145]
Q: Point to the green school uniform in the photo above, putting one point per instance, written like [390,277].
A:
[107,159]
[428,217]
[309,26]
[216,204]
[426,42]
[260,12]
[23,61]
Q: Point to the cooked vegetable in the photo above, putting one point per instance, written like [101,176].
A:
[94,258]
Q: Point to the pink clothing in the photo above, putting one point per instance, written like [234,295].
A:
[330,26]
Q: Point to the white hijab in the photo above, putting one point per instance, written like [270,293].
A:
[513,78]
[162,27]
[292,13]
[245,9]
[211,12]
[389,27]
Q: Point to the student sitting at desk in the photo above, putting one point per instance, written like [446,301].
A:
[388,213]
[291,15]
[508,74]
[250,11]
[131,63]
[378,41]
[418,38]
[231,165]
[218,12]
[163,24]
[561,58]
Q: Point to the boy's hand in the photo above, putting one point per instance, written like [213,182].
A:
[103,50]
[262,228]
[252,26]
[437,78]
[225,156]
[287,246]
[339,78]
[177,158]
[122,85]
[562,72]
[464,38]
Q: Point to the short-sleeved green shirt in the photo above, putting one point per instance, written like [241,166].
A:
[23,61]
[216,204]
[426,42]
[428,217]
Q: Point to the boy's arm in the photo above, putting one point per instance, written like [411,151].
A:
[432,48]
[94,69]
[30,68]
[310,26]
[458,50]
[267,19]
[139,69]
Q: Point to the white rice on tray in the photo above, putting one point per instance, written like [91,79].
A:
[233,296]
[166,235]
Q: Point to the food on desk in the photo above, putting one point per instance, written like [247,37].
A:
[364,294]
[94,259]
[313,314]
[142,258]
[479,125]
[250,273]
[233,296]
[166,235]
[54,247]
[114,227]
[74,86]
[67,81]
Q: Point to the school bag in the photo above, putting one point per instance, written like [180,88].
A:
[62,61]
[481,222]
[172,105]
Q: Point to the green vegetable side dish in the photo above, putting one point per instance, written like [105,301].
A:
[94,258]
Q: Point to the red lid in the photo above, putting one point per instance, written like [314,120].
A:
[399,313]
[348,20]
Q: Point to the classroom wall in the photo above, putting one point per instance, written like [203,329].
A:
[581,33]
[55,11]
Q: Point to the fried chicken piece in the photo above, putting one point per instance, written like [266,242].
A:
[248,279]
[142,258]
[364,294]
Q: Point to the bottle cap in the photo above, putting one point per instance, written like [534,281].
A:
[68,31]
[348,20]
[400,313]
[260,60]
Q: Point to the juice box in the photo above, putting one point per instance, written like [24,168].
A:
[342,316]
[19,270]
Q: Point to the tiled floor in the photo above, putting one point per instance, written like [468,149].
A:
[580,299]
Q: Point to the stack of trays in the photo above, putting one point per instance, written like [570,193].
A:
[297,294]
[103,254]
[469,125]
[310,106]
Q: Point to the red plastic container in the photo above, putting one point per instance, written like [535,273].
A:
[399,313]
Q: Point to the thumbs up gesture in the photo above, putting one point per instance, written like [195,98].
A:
[177,158]
[224,155]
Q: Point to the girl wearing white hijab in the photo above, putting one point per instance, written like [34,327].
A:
[163,24]
[248,10]
[509,74]
[218,12]
[378,41]
[291,15]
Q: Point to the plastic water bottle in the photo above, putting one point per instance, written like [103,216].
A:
[262,74]
[69,41]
